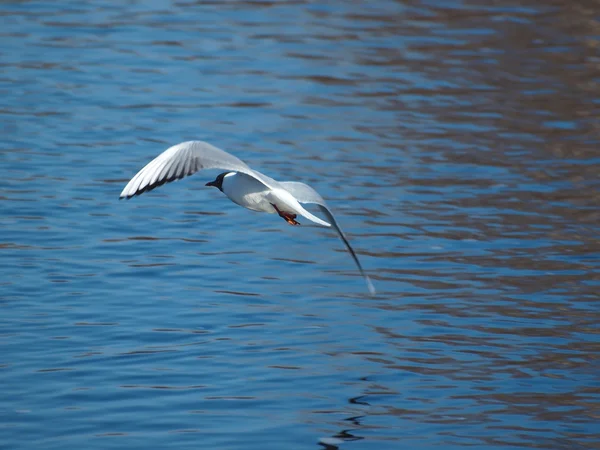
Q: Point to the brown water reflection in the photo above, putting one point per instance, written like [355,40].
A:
[457,141]
[514,87]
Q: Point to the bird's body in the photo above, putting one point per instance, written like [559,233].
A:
[250,193]
[247,192]
[243,185]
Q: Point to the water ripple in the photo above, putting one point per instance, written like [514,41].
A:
[456,142]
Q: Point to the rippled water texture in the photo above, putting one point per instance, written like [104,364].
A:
[458,143]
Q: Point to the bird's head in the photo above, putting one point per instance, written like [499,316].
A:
[218,182]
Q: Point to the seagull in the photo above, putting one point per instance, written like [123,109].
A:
[243,185]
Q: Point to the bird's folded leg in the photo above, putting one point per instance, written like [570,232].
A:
[288,217]
[291,219]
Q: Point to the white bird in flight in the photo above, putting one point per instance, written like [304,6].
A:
[243,185]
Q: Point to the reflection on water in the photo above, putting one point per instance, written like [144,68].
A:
[458,143]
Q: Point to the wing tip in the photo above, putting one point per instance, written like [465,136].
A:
[370,286]
[125,194]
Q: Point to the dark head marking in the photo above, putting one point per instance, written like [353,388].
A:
[218,182]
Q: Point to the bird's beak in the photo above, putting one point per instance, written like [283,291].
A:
[210,183]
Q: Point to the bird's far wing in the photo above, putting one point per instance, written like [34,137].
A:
[183,160]
[305,194]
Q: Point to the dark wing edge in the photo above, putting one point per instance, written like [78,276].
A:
[306,194]
[183,160]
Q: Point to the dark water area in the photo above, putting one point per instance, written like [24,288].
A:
[459,145]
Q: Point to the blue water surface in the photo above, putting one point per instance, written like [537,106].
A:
[457,143]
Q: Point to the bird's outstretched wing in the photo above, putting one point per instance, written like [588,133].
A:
[183,160]
[186,159]
[305,194]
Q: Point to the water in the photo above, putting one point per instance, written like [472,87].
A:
[456,141]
